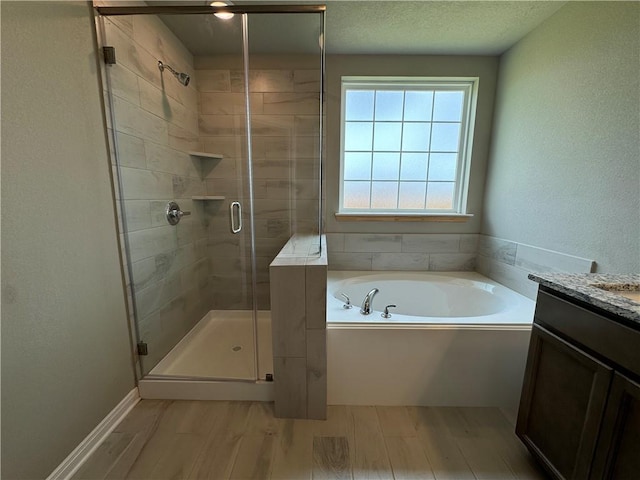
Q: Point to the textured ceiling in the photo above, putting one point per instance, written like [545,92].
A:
[373,27]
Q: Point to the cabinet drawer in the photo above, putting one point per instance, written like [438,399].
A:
[608,338]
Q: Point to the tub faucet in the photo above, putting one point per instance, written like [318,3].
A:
[367,304]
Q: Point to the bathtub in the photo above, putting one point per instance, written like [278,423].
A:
[453,339]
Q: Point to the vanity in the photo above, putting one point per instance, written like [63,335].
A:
[579,411]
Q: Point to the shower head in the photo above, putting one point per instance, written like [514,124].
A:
[183,78]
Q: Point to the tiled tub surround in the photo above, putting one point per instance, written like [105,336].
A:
[434,252]
[588,288]
[510,263]
[156,123]
[284,99]
[298,322]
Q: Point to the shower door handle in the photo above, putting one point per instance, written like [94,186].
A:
[235,227]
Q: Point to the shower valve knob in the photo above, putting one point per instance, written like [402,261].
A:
[174,214]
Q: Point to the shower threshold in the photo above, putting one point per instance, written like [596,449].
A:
[215,361]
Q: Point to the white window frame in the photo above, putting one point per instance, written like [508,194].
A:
[467,84]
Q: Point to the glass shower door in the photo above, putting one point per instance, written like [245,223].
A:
[179,134]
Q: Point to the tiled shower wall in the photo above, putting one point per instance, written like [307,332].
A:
[284,96]
[156,123]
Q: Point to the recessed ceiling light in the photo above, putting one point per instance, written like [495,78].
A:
[222,15]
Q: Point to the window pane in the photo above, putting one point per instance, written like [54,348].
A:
[442,166]
[386,166]
[357,166]
[358,136]
[384,195]
[413,166]
[359,105]
[415,137]
[387,136]
[356,194]
[389,105]
[412,195]
[440,195]
[445,137]
[448,106]
[417,106]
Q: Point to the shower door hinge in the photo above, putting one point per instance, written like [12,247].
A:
[142,348]
[109,54]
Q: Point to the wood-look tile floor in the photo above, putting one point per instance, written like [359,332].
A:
[243,440]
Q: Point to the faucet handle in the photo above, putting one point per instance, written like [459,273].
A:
[348,304]
[386,313]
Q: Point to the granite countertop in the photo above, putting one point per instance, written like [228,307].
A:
[585,287]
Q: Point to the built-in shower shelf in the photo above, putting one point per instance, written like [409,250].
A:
[206,155]
[208,197]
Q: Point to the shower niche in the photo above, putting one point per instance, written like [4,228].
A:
[224,117]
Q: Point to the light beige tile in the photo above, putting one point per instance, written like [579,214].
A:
[132,120]
[536,259]
[371,242]
[290,384]
[293,451]
[220,125]
[331,458]
[263,80]
[350,261]
[225,103]
[306,80]
[162,158]
[156,101]
[316,294]
[291,103]
[335,242]
[288,311]
[228,146]
[254,458]
[370,458]
[408,459]
[317,374]
[395,422]
[213,80]
[131,152]
[182,139]
[124,83]
[452,262]
[151,242]
[430,243]
[502,250]
[400,261]
[469,243]
[138,214]
[307,125]
[272,125]
[145,185]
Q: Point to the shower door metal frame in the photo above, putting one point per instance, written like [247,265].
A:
[243,10]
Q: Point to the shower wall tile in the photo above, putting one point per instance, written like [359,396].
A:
[124,84]
[224,103]
[138,214]
[154,100]
[400,261]
[316,297]
[367,242]
[214,81]
[151,242]
[306,125]
[161,158]
[452,262]
[263,80]
[306,103]
[181,139]
[431,243]
[335,242]
[134,121]
[234,146]
[306,80]
[221,125]
[145,184]
[131,150]
[272,125]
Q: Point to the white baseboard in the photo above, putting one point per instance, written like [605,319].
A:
[81,453]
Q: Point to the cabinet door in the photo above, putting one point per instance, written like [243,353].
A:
[562,404]
[618,452]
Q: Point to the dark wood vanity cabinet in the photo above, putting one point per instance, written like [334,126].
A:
[579,415]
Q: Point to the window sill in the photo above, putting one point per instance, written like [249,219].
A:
[395,217]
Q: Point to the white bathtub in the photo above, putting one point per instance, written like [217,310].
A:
[460,298]
[455,339]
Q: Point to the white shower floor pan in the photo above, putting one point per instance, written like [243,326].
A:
[220,347]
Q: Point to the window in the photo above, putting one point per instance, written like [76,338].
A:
[406,144]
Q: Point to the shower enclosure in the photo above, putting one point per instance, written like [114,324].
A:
[215,123]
